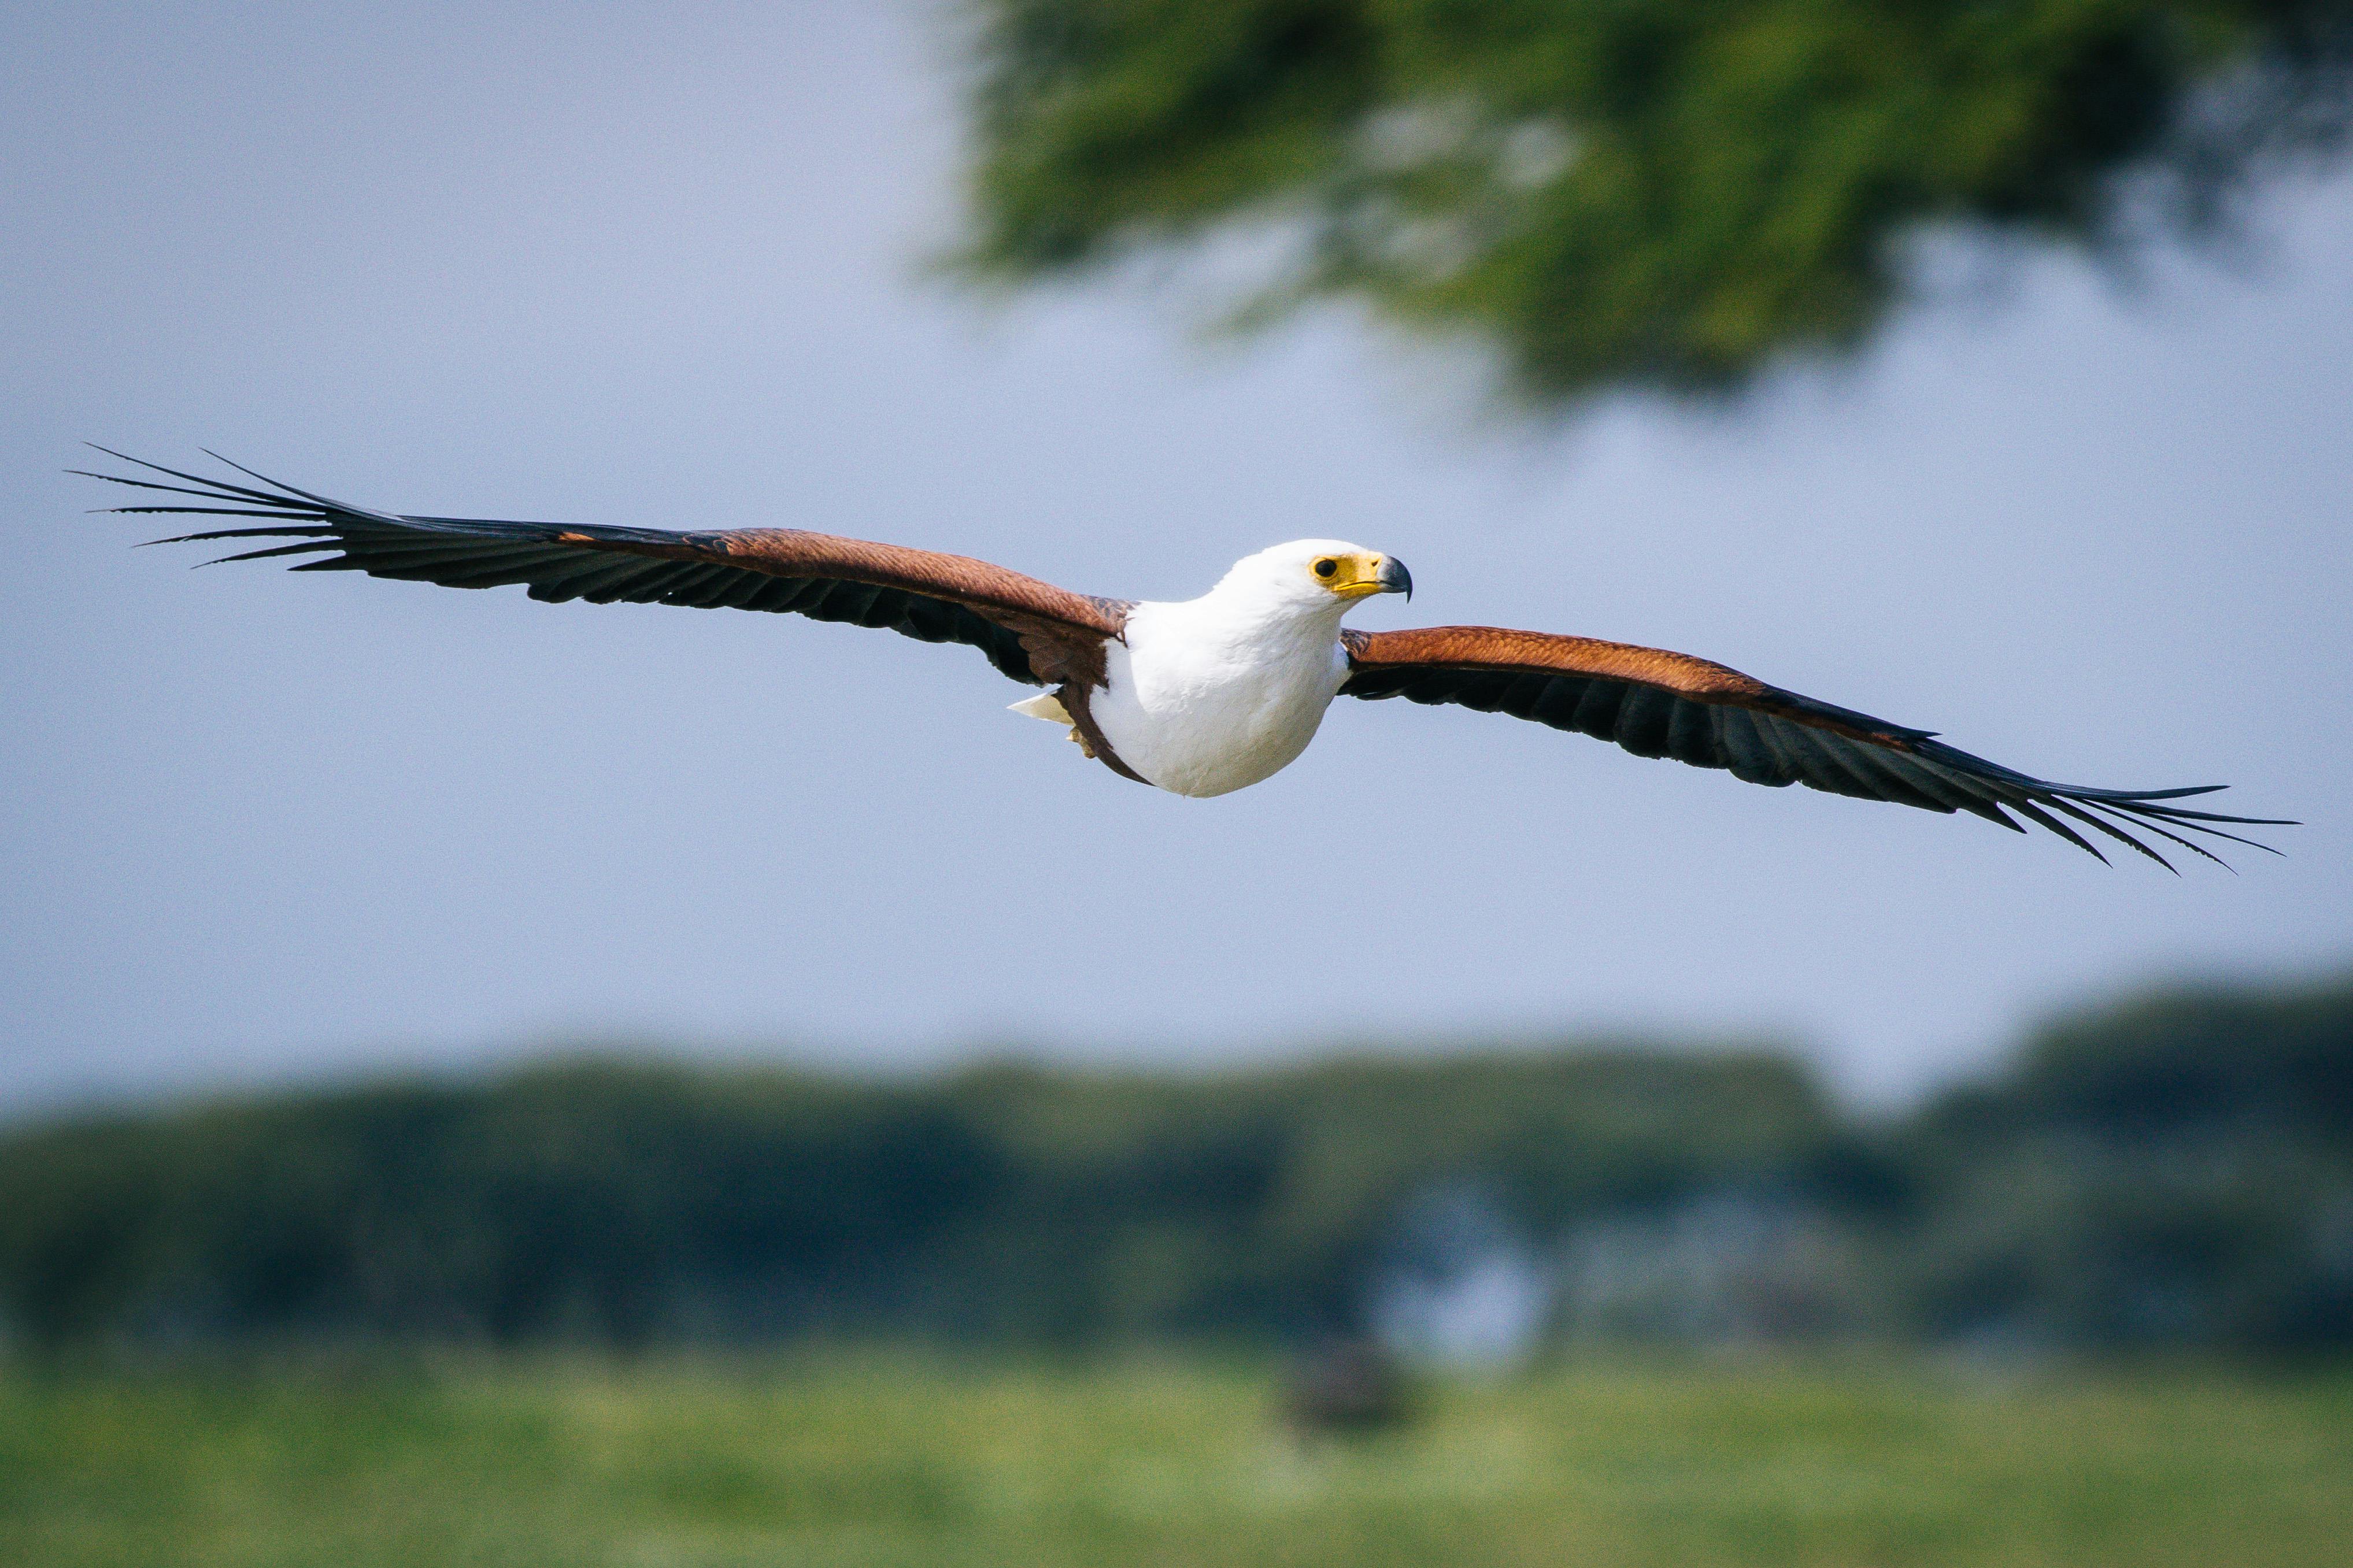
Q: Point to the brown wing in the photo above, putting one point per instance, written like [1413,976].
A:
[1031,630]
[1660,704]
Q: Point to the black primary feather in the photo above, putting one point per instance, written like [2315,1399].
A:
[1778,750]
[484,553]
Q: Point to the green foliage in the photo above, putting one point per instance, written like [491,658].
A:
[877,1462]
[2176,1171]
[630,1204]
[1647,192]
[2178,1168]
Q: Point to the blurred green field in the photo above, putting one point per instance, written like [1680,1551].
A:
[877,1461]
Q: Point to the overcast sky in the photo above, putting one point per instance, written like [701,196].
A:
[575,264]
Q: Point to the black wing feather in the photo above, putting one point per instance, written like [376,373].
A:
[482,552]
[1828,748]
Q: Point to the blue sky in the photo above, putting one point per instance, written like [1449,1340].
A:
[579,264]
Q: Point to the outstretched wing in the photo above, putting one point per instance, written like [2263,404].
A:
[1660,704]
[1030,630]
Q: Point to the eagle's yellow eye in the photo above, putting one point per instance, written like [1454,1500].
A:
[1325,567]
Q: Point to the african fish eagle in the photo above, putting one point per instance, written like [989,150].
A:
[1209,695]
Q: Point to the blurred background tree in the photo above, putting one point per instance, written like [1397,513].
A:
[1648,194]
[2175,1172]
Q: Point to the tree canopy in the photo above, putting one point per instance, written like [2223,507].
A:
[1654,194]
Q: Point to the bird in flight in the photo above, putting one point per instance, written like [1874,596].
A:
[1209,695]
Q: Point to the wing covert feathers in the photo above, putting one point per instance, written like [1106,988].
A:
[1655,703]
[1029,629]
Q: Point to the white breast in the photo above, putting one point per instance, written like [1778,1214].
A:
[1202,700]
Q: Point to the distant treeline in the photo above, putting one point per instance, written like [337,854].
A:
[2175,1172]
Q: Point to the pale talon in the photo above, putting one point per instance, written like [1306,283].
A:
[1045,705]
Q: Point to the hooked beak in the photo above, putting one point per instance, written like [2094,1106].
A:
[1395,579]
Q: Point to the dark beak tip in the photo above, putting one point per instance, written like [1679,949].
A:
[1396,579]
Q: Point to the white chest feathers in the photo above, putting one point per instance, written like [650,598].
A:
[1213,694]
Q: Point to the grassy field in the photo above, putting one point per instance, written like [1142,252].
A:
[694,1465]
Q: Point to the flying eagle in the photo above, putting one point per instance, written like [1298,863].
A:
[1212,694]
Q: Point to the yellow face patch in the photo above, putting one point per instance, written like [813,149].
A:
[1351,574]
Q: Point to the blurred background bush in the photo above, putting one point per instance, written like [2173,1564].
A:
[2174,1173]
